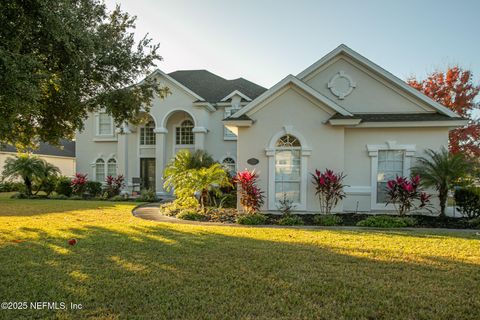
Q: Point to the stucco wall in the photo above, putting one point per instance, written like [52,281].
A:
[358,162]
[372,93]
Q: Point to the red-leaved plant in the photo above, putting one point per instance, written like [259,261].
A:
[329,188]
[403,193]
[79,183]
[251,197]
[114,185]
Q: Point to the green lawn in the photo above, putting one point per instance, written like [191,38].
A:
[124,267]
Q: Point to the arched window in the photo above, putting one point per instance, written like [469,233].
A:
[112,167]
[147,135]
[184,133]
[229,165]
[100,170]
[287,168]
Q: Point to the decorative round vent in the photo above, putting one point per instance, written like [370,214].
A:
[341,85]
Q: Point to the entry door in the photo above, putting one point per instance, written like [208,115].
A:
[147,173]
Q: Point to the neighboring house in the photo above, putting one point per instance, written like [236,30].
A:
[343,112]
[63,156]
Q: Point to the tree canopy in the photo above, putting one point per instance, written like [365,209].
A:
[455,90]
[61,59]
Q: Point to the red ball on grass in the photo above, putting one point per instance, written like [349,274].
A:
[72,242]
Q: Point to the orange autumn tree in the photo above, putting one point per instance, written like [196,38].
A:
[455,90]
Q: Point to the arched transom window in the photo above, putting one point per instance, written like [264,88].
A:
[184,133]
[287,168]
[229,165]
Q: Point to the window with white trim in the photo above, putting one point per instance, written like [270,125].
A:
[228,134]
[100,170]
[112,167]
[147,134]
[105,124]
[390,165]
[288,168]
[184,133]
[229,164]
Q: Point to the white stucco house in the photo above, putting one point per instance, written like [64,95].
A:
[343,112]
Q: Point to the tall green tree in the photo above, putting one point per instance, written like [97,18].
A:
[60,59]
[441,170]
[24,166]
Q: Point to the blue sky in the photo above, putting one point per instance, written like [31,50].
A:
[263,41]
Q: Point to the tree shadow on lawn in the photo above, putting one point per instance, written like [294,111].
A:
[162,272]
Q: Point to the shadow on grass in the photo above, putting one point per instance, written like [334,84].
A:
[161,272]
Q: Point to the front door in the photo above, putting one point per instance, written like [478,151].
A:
[147,173]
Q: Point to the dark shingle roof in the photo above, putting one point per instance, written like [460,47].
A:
[66,149]
[393,117]
[214,88]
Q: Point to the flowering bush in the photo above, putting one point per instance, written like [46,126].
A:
[79,183]
[329,188]
[251,197]
[402,193]
[114,185]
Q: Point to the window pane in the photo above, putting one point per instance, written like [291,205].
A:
[292,190]
[100,170]
[112,168]
[390,165]
[104,124]
[184,134]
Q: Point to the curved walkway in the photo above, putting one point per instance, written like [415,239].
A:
[151,211]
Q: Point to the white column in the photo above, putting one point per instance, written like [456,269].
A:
[122,154]
[200,133]
[160,158]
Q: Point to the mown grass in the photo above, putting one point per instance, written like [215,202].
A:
[125,267]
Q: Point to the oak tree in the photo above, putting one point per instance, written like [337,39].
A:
[61,59]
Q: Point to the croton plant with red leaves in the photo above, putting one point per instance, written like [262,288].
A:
[329,188]
[403,193]
[79,183]
[114,185]
[251,197]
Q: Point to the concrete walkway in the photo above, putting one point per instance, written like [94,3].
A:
[151,211]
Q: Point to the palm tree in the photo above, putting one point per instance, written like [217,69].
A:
[441,170]
[49,172]
[24,166]
[208,179]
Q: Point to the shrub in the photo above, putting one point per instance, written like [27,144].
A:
[290,220]
[79,183]
[387,222]
[76,197]
[118,198]
[114,185]
[191,215]
[59,197]
[329,188]
[19,195]
[327,220]
[11,186]
[93,188]
[474,223]
[285,205]
[48,185]
[252,219]
[468,202]
[173,208]
[148,195]
[402,193]
[64,186]
[251,197]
